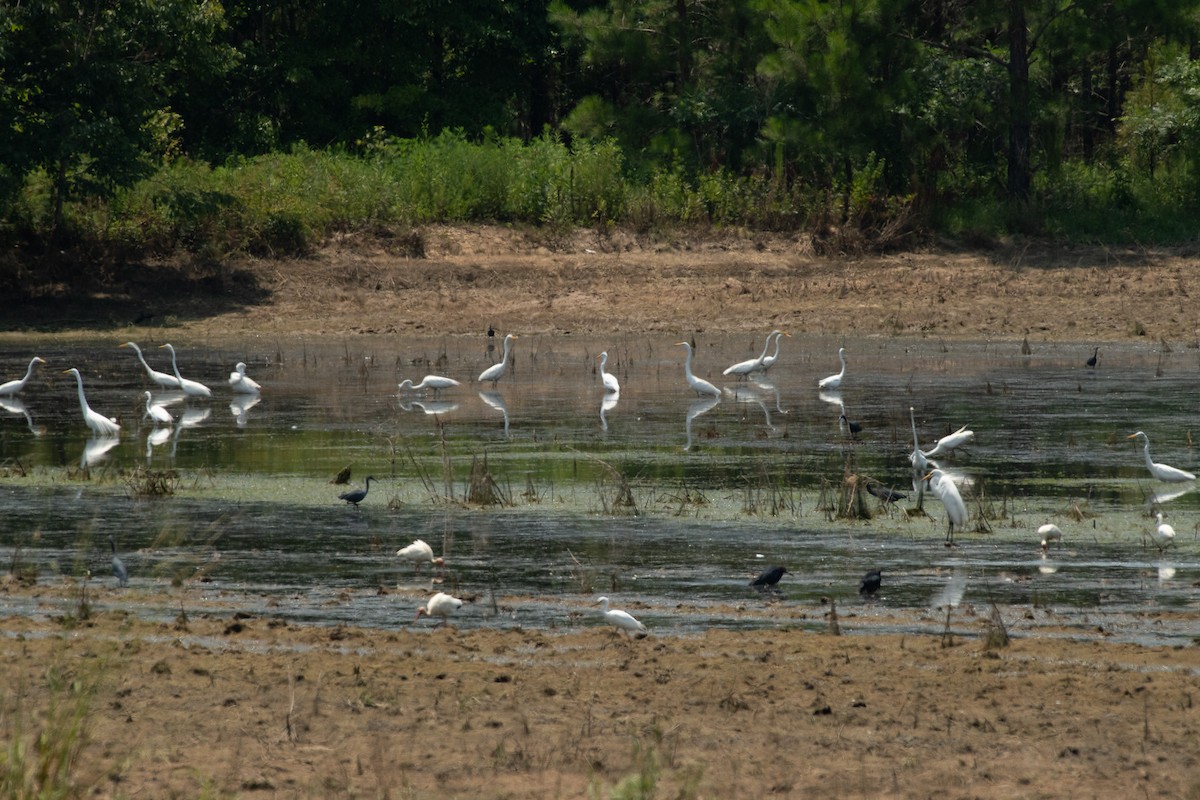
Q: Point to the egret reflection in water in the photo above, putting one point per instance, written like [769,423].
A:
[15,405]
[240,407]
[96,449]
[697,408]
[496,401]
[608,403]
[430,407]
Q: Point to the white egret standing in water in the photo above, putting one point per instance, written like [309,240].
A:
[496,371]
[12,387]
[947,492]
[190,388]
[161,378]
[157,413]
[100,424]
[434,382]
[742,369]
[440,605]
[1161,471]
[611,384]
[834,381]
[1163,534]
[240,382]
[699,385]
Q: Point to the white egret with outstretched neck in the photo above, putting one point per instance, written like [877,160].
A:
[1163,472]
[100,424]
[947,492]
[769,361]
[12,387]
[834,381]
[434,382]
[190,388]
[949,442]
[242,383]
[622,620]
[611,384]
[161,378]
[496,371]
[440,605]
[159,414]
[699,385]
[742,369]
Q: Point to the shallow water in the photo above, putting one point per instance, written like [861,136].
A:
[721,489]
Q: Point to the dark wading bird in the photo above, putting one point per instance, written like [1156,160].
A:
[884,493]
[870,583]
[769,577]
[358,495]
[1091,362]
[118,566]
[855,428]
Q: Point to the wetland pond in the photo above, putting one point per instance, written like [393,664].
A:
[544,492]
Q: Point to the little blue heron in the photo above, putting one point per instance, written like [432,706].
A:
[871,582]
[118,566]
[769,577]
[357,495]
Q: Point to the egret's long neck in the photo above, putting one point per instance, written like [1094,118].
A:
[175,366]
[912,416]
[28,374]
[766,347]
[687,364]
[82,400]
[778,339]
[507,346]
[1146,452]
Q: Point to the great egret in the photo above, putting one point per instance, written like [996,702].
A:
[1161,471]
[699,385]
[496,371]
[1050,533]
[158,413]
[1091,362]
[769,577]
[949,442]
[871,582]
[1163,534]
[190,388]
[118,566]
[947,492]
[12,387]
[743,368]
[419,553]
[100,424]
[434,382]
[611,384]
[240,382]
[834,381]
[356,496]
[769,361]
[622,620]
[161,378]
[440,605]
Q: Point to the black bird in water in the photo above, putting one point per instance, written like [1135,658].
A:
[884,493]
[358,495]
[854,427]
[769,577]
[118,565]
[1091,362]
[870,583]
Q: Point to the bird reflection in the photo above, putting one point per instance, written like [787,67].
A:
[1166,496]
[771,389]
[1165,573]
[496,401]
[697,408]
[240,407]
[96,448]
[188,419]
[608,403]
[743,394]
[156,437]
[431,407]
[172,398]
[15,405]
[950,595]
[1047,567]
[834,399]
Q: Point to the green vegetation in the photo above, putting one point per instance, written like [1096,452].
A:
[141,128]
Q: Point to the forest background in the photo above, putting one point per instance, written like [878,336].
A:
[138,129]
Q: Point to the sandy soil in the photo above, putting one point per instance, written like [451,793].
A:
[222,705]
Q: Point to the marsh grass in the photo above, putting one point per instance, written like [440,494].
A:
[143,482]
[46,730]
[482,489]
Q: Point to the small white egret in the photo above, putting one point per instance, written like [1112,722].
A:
[1050,533]
[742,369]
[440,605]
[611,384]
[190,388]
[240,382]
[434,382]
[419,553]
[947,492]
[157,413]
[161,378]
[1163,534]
[622,620]
[769,361]
[834,381]
[496,371]
[100,424]
[1161,471]
[12,387]
[699,385]
[949,442]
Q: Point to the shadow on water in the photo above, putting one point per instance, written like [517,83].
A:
[232,503]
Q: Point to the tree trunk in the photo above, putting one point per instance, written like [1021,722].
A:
[1019,122]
